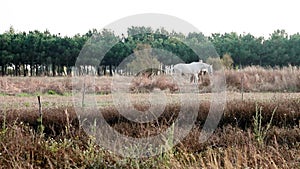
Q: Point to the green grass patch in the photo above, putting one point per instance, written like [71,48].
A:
[24,94]
[3,94]
[52,92]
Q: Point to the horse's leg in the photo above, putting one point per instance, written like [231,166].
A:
[196,78]
[200,77]
[192,78]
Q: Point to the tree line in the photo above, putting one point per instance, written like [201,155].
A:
[38,53]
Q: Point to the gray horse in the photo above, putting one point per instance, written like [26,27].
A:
[193,69]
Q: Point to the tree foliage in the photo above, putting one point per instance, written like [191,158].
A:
[143,58]
[227,61]
[38,53]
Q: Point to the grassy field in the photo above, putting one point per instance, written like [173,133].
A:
[250,79]
[257,130]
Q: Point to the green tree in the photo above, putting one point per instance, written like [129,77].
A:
[143,59]
[215,62]
[277,49]
[227,61]
[5,55]
[294,49]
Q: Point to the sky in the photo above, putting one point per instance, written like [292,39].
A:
[69,17]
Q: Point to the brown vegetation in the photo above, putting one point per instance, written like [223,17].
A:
[251,79]
[228,148]
[60,141]
[233,144]
[257,79]
[238,113]
[148,84]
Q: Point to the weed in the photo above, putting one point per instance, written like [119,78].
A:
[26,104]
[4,128]
[260,132]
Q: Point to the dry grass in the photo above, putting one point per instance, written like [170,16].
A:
[252,79]
[233,144]
[238,113]
[257,79]
[229,147]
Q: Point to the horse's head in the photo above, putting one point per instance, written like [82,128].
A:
[207,68]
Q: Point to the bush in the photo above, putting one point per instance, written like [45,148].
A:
[215,62]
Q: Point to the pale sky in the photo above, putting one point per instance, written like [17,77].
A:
[68,17]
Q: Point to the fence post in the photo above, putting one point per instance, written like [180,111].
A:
[40,108]
[40,120]
[83,93]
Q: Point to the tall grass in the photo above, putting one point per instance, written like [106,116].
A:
[233,145]
[258,79]
[254,78]
[226,149]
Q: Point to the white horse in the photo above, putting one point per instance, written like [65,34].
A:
[193,69]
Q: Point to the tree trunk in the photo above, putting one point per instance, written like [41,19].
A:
[24,70]
[36,70]
[86,70]
[16,70]
[2,70]
[110,70]
[104,70]
[31,70]
[53,69]
[58,70]
[69,70]
[98,70]
[19,70]
[46,71]
[5,70]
